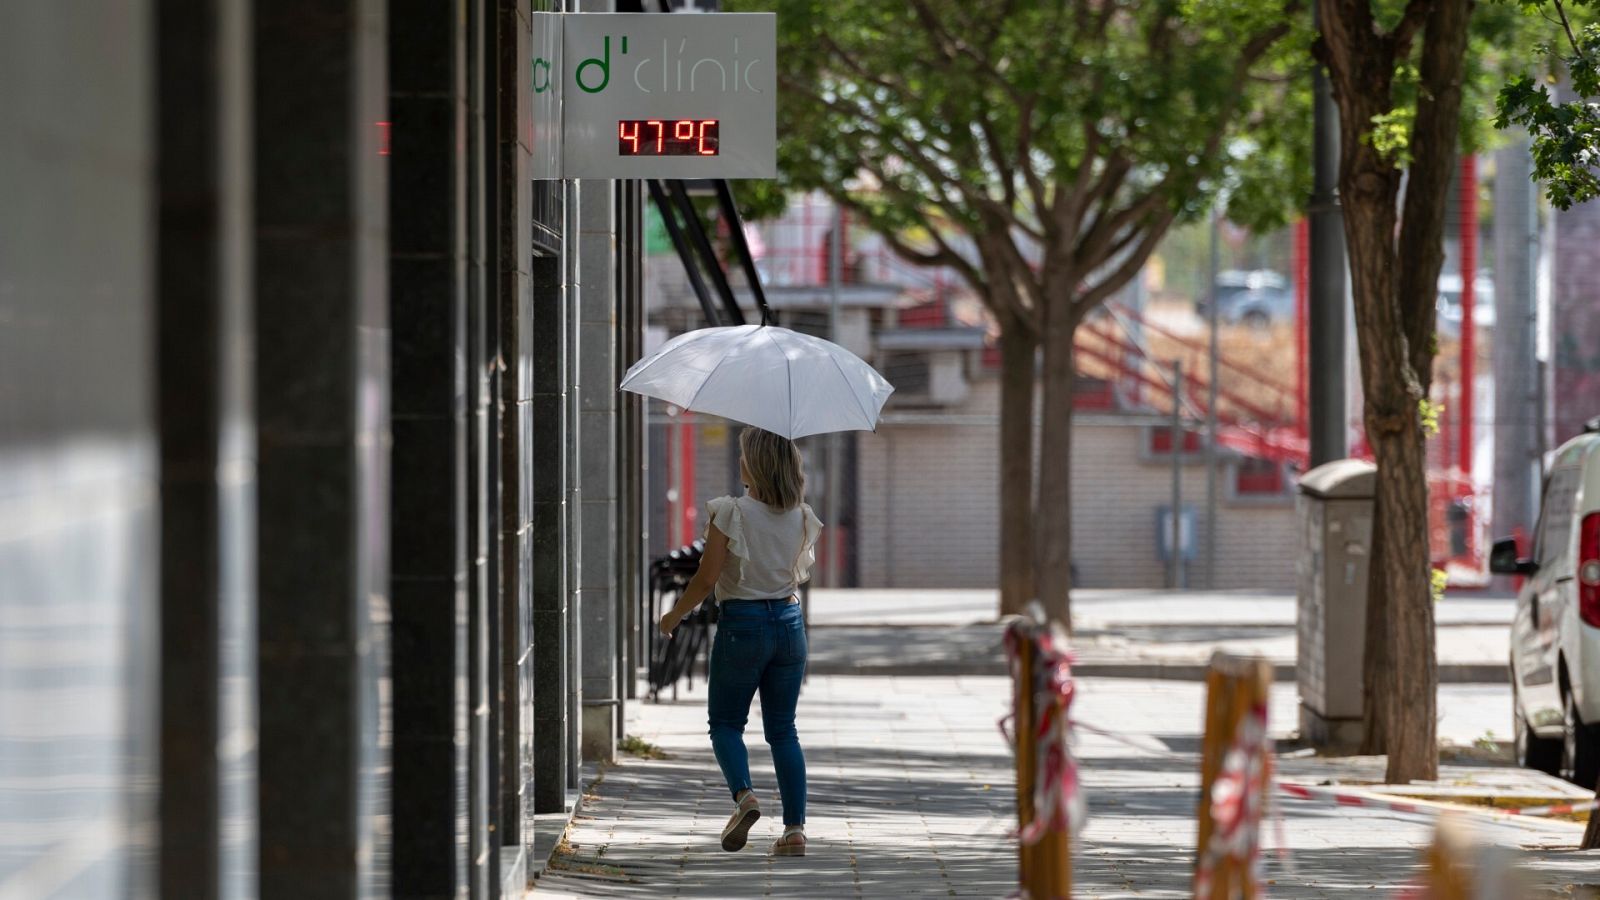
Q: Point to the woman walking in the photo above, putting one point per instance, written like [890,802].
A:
[759,550]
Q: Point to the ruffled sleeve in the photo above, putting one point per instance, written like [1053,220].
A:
[808,547]
[723,512]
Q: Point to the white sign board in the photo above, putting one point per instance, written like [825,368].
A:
[652,95]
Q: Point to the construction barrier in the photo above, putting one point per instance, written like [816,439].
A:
[1050,803]
[1235,774]
[1347,798]
[1237,782]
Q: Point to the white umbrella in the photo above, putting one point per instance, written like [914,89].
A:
[788,383]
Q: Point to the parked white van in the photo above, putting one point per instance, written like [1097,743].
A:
[1555,636]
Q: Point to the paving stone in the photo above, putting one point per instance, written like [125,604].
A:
[912,792]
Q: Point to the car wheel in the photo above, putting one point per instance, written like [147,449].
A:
[1580,748]
[1533,752]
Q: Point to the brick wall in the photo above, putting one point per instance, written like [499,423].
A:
[930,508]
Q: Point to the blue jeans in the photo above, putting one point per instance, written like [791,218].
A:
[760,645]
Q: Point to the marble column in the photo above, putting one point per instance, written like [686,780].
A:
[515,295]
[430,578]
[322,402]
[208,689]
[548,571]
[79,460]
[597,425]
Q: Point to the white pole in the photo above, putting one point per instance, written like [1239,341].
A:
[1211,420]
[1177,475]
[835,447]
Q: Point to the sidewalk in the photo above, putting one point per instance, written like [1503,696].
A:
[1119,633]
[909,795]
[912,792]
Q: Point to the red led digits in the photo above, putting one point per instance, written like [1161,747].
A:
[668,137]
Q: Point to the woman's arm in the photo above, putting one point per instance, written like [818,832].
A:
[703,582]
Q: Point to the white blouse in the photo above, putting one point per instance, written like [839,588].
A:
[770,551]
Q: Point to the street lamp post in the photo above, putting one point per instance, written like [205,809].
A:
[1329,413]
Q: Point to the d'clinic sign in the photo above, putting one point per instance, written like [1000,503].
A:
[652,95]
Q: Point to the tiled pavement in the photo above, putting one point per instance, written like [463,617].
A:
[911,796]
[908,796]
[1128,633]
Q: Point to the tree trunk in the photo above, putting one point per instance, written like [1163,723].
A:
[1368,185]
[1413,743]
[1394,327]
[1375,651]
[1053,572]
[1018,375]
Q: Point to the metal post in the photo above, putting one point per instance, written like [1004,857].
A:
[1175,551]
[1329,412]
[1211,420]
[1469,302]
[835,270]
[1516,387]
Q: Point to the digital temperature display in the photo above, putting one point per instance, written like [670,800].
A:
[667,137]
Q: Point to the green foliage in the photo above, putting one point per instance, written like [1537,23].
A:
[1428,412]
[1391,134]
[1438,582]
[637,746]
[937,114]
[1498,43]
[760,199]
[1565,133]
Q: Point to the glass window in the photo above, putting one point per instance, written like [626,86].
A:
[1555,518]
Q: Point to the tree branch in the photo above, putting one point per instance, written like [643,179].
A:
[944,256]
[1153,232]
[907,149]
[1110,227]
[1000,255]
[1030,175]
[1433,162]
[1001,162]
[1405,31]
[951,48]
[1566,25]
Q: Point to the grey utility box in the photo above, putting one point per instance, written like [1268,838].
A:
[1335,512]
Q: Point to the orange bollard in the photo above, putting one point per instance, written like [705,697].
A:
[1449,863]
[1044,867]
[1236,689]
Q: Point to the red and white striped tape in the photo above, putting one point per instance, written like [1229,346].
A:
[1348,798]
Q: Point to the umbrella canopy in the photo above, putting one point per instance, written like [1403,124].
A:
[788,383]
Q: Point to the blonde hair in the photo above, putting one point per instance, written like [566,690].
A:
[777,474]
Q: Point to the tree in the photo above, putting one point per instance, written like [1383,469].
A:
[1398,86]
[1566,135]
[1041,149]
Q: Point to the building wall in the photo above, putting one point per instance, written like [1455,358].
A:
[930,511]
[268,310]
[78,461]
[1574,322]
